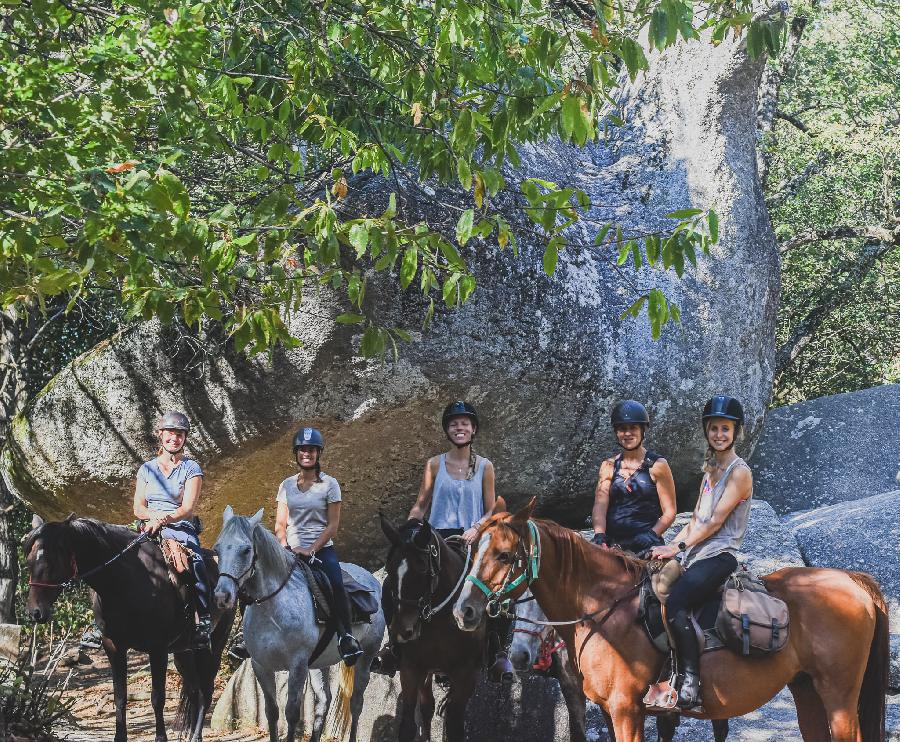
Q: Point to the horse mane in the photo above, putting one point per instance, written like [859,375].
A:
[272,555]
[632,565]
[107,535]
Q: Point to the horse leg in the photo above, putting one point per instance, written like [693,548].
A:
[610,732]
[461,686]
[840,705]
[426,706]
[410,680]
[666,724]
[628,724]
[119,666]
[356,701]
[573,694]
[294,705]
[266,680]
[720,729]
[811,717]
[159,660]
[320,703]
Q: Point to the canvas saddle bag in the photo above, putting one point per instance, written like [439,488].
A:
[751,621]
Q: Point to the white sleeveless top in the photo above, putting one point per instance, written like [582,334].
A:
[731,535]
[457,503]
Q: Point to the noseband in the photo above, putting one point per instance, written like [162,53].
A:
[528,561]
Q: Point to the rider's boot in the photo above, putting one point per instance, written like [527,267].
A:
[502,670]
[387,661]
[500,628]
[687,652]
[203,630]
[349,649]
[348,646]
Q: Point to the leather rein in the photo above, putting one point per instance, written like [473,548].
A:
[76,577]
[243,595]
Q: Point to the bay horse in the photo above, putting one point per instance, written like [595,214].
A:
[835,662]
[426,573]
[280,628]
[140,609]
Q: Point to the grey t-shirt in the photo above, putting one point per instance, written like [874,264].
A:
[165,494]
[308,511]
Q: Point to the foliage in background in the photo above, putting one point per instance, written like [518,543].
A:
[833,194]
[199,158]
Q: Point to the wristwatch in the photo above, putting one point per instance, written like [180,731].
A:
[682,546]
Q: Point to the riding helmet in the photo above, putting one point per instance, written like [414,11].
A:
[174,421]
[458,409]
[629,411]
[724,406]
[309,437]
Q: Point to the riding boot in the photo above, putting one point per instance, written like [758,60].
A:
[348,646]
[500,628]
[687,652]
[203,629]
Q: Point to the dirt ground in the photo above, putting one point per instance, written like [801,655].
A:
[94,715]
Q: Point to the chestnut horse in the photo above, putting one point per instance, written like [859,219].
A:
[835,662]
[425,574]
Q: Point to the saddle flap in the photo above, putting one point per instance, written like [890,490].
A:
[176,555]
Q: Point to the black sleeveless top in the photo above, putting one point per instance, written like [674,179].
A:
[633,503]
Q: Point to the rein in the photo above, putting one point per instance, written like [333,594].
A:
[426,611]
[84,575]
[244,595]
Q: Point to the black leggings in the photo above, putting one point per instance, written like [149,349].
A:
[699,582]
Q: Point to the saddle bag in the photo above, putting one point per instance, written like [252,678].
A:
[751,621]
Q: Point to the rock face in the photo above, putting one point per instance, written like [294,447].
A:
[829,450]
[542,358]
[863,536]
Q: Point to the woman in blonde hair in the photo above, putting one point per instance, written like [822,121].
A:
[710,540]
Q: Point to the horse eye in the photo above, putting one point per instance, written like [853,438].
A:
[505,557]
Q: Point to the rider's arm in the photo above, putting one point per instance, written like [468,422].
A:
[489,498]
[281,520]
[737,490]
[665,487]
[189,501]
[423,501]
[140,500]
[331,529]
[601,497]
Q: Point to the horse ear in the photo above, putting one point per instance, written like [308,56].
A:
[255,520]
[525,513]
[423,535]
[70,517]
[228,514]
[393,535]
[499,506]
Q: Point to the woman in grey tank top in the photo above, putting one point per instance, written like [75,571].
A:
[710,540]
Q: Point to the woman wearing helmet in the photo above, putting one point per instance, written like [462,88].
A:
[634,502]
[712,537]
[165,498]
[308,517]
[457,496]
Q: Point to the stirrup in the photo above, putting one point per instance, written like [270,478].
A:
[202,633]
[386,662]
[661,697]
[694,704]
[349,649]
[502,670]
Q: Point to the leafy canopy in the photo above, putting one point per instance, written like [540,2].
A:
[202,159]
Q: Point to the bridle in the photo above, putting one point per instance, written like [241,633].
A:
[424,602]
[76,577]
[528,560]
[242,593]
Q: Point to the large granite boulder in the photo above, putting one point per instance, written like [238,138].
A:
[863,536]
[829,450]
[543,358]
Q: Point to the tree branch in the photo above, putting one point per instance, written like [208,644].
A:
[789,187]
[793,120]
[874,233]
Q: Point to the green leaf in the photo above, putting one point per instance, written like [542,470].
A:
[372,343]
[569,115]
[636,252]
[713,226]
[464,226]
[551,255]
[601,235]
[350,319]
[684,213]
[359,238]
[409,266]
[635,309]
[451,254]
[464,173]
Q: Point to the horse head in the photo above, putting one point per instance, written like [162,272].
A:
[51,564]
[501,568]
[413,567]
[527,637]
[236,551]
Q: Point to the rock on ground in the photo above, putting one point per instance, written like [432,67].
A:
[543,358]
[829,450]
[863,536]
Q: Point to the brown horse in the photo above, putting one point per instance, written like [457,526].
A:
[423,572]
[835,662]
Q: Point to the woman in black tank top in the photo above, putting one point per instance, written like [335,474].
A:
[634,502]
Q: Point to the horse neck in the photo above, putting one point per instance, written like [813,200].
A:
[570,570]
[90,551]
[450,570]
[273,564]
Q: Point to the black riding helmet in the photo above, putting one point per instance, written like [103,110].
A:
[458,409]
[724,406]
[629,412]
[309,437]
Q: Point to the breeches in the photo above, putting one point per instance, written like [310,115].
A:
[699,582]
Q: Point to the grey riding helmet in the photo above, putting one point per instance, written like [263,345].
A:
[309,437]
[174,421]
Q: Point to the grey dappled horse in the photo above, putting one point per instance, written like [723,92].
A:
[280,631]
[525,650]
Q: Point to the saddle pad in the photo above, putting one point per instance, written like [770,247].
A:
[650,615]
[362,602]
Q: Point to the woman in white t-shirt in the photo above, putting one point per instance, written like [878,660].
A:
[308,517]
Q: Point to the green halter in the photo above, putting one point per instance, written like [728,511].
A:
[529,575]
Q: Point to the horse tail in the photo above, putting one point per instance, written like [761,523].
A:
[871,706]
[339,714]
[192,701]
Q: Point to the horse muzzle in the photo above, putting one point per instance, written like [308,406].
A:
[40,615]
[224,595]
[467,616]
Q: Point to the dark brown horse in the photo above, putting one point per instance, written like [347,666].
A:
[140,607]
[835,662]
[423,571]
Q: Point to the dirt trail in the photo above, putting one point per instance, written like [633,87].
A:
[91,689]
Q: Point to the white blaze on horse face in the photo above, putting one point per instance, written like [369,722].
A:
[468,585]
[402,569]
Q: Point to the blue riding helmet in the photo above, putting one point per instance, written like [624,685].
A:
[308,437]
[630,412]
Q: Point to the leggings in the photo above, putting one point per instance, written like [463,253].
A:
[699,582]
[331,565]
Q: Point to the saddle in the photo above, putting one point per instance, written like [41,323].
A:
[363,603]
